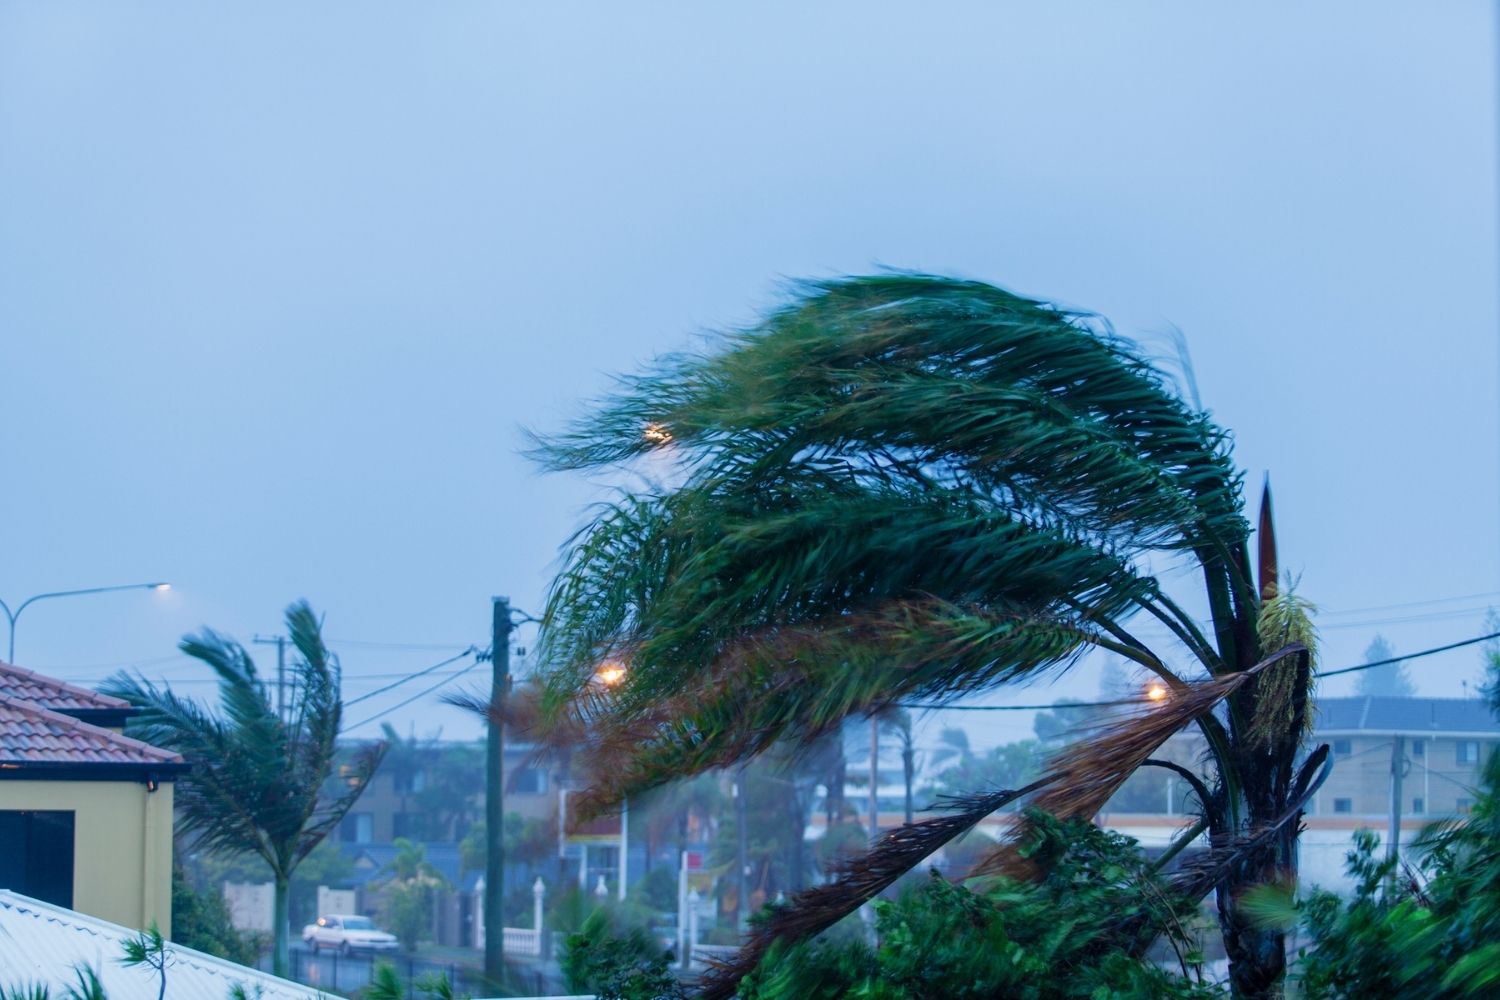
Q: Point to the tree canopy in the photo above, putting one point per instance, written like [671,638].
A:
[908,488]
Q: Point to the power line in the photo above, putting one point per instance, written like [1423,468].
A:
[1407,619]
[1409,656]
[420,694]
[1411,604]
[411,677]
[435,647]
[1146,701]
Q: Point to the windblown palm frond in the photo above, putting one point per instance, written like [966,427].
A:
[884,443]
[906,487]
[961,381]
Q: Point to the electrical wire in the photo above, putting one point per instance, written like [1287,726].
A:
[413,676]
[420,694]
[1147,701]
[1409,656]
[435,647]
[1322,612]
[1408,619]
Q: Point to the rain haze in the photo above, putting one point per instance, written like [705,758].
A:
[280,284]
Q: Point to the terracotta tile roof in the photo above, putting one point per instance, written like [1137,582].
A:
[26,685]
[31,734]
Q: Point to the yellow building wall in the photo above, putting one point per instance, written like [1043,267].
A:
[122,845]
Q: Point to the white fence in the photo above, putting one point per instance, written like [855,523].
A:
[525,942]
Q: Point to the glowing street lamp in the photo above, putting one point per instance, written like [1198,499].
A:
[657,433]
[13,615]
[1156,691]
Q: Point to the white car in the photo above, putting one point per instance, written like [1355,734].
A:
[346,933]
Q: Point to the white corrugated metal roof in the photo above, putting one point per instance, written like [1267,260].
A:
[41,943]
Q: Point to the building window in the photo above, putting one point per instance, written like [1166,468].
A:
[1468,751]
[408,824]
[1419,748]
[1341,748]
[1343,805]
[357,828]
[1418,806]
[1465,806]
[36,855]
[529,781]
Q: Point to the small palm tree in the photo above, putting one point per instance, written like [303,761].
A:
[257,779]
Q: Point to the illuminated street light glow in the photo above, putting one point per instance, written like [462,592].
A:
[11,616]
[1156,692]
[610,674]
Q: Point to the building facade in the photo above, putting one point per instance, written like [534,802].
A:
[85,812]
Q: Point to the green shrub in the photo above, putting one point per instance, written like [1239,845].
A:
[616,961]
[1070,936]
[200,920]
[1430,933]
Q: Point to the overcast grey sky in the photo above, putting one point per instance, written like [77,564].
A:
[280,282]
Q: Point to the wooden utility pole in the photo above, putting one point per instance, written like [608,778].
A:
[1398,766]
[494,794]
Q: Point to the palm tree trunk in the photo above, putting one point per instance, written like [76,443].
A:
[1257,955]
[908,766]
[280,921]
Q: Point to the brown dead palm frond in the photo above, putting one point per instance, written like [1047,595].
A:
[857,881]
[1091,771]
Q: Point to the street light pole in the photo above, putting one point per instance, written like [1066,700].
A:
[13,615]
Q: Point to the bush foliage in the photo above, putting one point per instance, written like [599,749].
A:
[615,960]
[1068,936]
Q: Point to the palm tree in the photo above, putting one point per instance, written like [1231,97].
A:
[953,748]
[257,779]
[897,722]
[911,488]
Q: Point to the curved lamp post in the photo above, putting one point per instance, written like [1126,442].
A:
[13,615]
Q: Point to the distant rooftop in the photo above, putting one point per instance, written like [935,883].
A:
[38,738]
[26,685]
[1405,715]
[371,862]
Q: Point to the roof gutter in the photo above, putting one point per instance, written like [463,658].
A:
[150,775]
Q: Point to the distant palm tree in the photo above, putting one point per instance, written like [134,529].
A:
[905,488]
[257,783]
[897,722]
[953,748]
